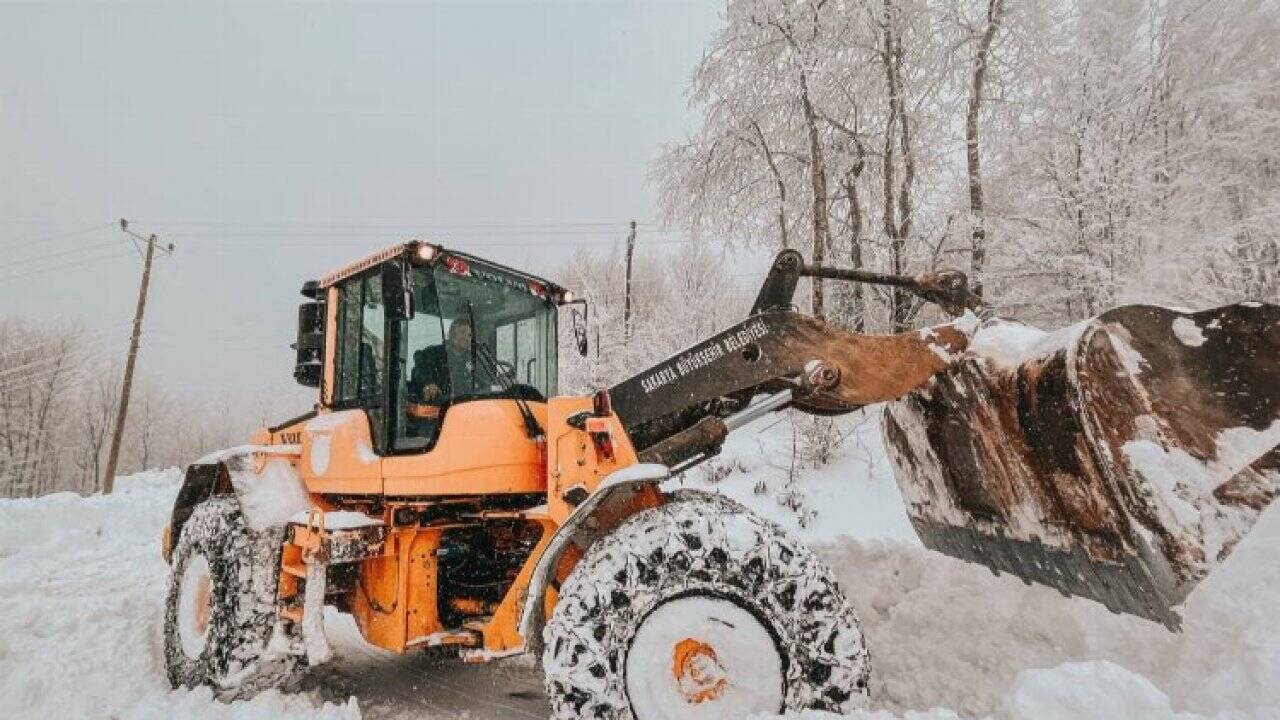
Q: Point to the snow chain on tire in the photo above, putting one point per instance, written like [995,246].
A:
[244,569]
[701,544]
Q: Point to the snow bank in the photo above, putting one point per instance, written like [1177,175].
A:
[853,497]
[81,592]
[944,633]
[951,640]
[947,637]
[1087,691]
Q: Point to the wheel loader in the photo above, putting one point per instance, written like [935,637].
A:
[446,496]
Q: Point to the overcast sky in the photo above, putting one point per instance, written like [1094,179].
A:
[273,141]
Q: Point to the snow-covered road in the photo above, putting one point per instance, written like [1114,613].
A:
[81,583]
[422,685]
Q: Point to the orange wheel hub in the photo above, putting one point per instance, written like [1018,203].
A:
[204,608]
[697,671]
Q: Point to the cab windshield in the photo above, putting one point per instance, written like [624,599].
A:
[476,333]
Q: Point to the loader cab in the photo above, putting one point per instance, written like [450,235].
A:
[418,330]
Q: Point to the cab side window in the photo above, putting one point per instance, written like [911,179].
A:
[518,345]
[361,353]
[421,345]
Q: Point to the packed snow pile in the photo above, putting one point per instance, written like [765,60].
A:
[947,634]
[773,467]
[81,592]
[82,582]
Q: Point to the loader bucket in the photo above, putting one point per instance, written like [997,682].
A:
[1120,459]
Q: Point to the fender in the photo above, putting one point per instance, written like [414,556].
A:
[261,477]
[578,530]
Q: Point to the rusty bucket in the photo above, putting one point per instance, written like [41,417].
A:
[1120,459]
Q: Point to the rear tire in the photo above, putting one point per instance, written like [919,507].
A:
[727,615]
[220,612]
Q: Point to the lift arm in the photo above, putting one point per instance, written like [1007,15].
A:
[673,412]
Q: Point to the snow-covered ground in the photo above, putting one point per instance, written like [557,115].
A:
[81,589]
[81,584]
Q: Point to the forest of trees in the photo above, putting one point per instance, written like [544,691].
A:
[1069,155]
[58,400]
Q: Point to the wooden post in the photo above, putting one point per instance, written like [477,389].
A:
[626,308]
[108,482]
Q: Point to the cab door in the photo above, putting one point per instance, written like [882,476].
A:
[342,449]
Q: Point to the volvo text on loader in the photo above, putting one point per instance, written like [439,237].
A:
[445,495]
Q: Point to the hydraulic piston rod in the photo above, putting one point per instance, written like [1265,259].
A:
[758,409]
[949,289]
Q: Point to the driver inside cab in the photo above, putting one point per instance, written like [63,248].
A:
[445,371]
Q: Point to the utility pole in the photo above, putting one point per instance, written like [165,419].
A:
[109,481]
[626,309]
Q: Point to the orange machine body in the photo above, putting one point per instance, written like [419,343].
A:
[484,482]
[481,454]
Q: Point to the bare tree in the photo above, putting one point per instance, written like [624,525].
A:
[778,182]
[977,86]
[35,372]
[898,208]
[58,396]
[98,411]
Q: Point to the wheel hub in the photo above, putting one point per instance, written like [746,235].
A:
[195,606]
[204,589]
[703,658]
[697,671]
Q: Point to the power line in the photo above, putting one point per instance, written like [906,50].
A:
[75,371]
[77,366]
[56,340]
[522,234]
[401,224]
[454,243]
[71,350]
[60,266]
[411,233]
[58,237]
[226,230]
[77,374]
[58,253]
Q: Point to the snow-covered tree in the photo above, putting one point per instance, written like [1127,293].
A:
[1070,155]
[58,400]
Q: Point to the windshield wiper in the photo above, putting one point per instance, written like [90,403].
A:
[508,385]
[482,352]
[471,320]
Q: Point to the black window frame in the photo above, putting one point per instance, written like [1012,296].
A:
[379,430]
[399,368]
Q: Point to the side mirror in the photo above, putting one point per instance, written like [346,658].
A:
[579,319]
[309,348]
[397,295]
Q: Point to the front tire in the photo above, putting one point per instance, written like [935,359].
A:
[220,612]
[699,609]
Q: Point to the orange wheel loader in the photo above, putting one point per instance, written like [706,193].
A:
[446,496]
